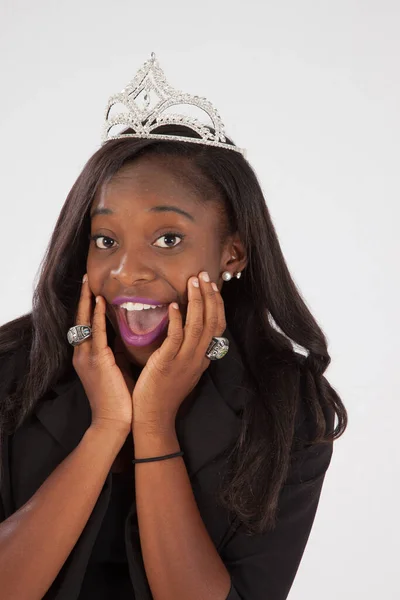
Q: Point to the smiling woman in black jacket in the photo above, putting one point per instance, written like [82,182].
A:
[240,424]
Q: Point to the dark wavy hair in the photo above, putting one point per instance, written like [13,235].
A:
[261,456]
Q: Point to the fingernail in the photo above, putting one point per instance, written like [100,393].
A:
[97,299]
[214,287]
[195,282]
[84,278]
[205,276]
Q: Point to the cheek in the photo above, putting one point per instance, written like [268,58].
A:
[95,284]
[90,267]
[96,275]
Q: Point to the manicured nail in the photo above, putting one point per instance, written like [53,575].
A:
[97,299]
[214,287]
[84,278]
[195,282]
[205,276]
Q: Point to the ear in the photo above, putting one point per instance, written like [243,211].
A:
[234,256]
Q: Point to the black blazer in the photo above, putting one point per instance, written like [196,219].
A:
[208,422]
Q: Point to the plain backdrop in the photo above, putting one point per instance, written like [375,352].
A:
[312,90]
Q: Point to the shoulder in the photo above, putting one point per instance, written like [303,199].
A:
[311,391]
[309,459]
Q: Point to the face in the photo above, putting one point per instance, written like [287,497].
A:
[151,235]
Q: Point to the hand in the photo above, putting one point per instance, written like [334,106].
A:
[173,370]
[105,384]
[123,363]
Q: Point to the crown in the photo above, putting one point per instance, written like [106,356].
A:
[146,99]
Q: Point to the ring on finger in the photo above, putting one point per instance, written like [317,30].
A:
[218,348]
[78,334]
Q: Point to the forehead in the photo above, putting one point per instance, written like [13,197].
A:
[152,180]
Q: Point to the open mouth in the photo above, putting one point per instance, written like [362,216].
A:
[138,329]
[143,322]
[142,330]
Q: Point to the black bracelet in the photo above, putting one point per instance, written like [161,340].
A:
[138,460]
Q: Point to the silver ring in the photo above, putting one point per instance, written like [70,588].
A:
[218,347]
[78,334]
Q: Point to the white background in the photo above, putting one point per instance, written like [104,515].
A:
[312,90]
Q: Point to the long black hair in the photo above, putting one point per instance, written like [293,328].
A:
[34,344]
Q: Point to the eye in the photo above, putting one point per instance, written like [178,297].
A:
[97,237]
[170,235]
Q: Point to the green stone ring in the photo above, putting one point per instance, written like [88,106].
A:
[218,347]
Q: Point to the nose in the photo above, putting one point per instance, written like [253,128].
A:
[132,267]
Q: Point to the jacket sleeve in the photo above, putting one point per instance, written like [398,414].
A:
[263,566]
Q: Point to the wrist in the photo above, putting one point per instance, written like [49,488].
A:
[111,428]
[158,428]
[150,444]
[108,442]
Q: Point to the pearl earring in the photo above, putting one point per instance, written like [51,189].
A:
[226,276]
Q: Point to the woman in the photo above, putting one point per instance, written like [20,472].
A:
[163,452]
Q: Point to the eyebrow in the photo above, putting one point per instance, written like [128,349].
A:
[158,209]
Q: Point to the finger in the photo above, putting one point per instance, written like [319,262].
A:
[99,332]
[84,310]
[194,325]
[220,311]
[83,317]
[210,315]
[173,342]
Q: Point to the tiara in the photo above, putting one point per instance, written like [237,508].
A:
[145,100]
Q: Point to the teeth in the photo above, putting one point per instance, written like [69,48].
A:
[139,306]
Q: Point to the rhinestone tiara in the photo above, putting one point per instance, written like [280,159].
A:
[145,100]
